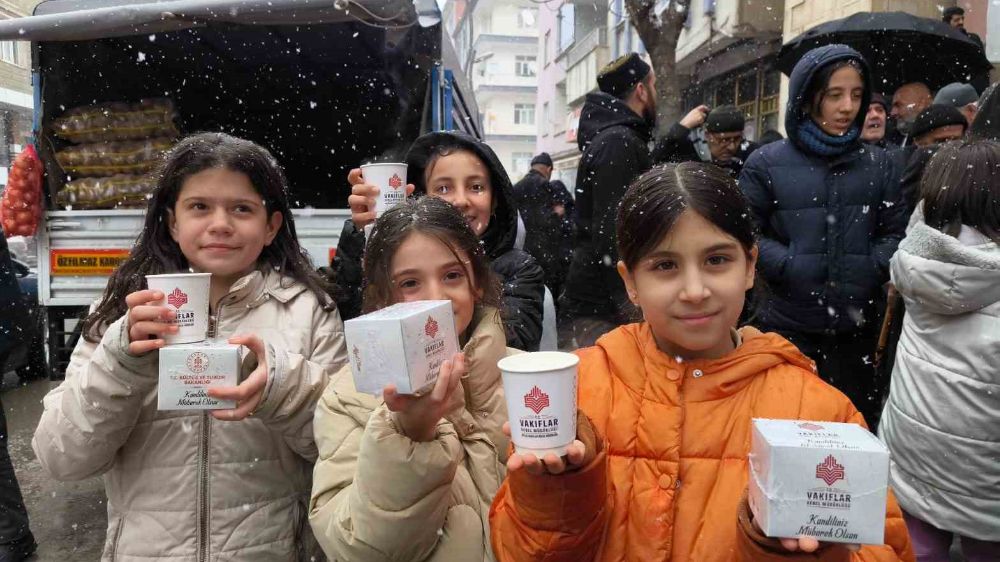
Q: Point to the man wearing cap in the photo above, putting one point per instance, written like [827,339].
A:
[934,126]
[540,210]
[723,134]
[873,131]
[616,126]
[961,96]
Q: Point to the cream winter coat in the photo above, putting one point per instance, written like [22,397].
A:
[378,496]
[941,420]
[182,486]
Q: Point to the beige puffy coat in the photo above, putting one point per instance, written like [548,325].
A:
[378,496]
[182,486]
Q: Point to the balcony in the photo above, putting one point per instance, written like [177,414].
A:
[597,38]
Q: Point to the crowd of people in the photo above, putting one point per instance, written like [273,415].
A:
[706,280]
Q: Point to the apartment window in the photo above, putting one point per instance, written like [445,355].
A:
[526,18]
[524,65]
[524,114]
[546,119]
[545,48]
[521,161]
[8,51]
[567,26]
[618,9]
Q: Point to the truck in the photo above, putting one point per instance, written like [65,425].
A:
[325,85]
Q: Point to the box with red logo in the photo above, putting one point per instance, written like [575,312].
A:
[188,370]
[820,479]
[403,344]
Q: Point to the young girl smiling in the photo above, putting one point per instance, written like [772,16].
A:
[186,485]
[660,469]
[410,477]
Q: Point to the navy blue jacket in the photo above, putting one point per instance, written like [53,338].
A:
[828,224]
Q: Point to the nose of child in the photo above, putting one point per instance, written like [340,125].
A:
[694,289]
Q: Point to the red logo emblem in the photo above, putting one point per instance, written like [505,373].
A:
[536,400]
[395,181]
[177,298]
[197,362]
[811,426]
[829,471]
[431,328]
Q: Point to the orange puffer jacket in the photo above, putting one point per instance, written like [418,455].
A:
[674,467]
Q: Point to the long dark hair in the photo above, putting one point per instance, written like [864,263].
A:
[656,200]
[433,217]
[155,251]
[962,186]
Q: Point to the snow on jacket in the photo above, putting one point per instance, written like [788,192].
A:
[828,225]
[522,281]
[181,485]
[940,422]
[378,496]
[615,145]
[674,467]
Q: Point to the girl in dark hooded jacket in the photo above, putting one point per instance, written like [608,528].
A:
[830,213]
[467,173]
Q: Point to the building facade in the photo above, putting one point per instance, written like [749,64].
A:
[497,43]
[16,99]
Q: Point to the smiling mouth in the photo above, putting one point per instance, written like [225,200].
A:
[221,247]
[698,319]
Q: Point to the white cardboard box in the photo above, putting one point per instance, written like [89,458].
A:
[188,370]
[821,479]
[404,344]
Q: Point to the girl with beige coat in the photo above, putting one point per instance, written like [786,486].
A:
[189,486]
[405,477]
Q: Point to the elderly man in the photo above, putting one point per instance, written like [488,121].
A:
[936,125]
[907,103]
[874,129]
[960,96]
[723,134]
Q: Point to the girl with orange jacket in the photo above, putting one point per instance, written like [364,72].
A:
[660,469]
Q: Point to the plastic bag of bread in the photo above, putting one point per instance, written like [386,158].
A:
[122,191]
[117,121]
[113,158]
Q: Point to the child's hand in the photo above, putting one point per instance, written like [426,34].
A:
[249,392]
[145,319]
[362,198]
[418,416]
[576,457]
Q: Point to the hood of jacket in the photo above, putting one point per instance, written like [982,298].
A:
[943,274]
[798,84]
[602,111]
[729,374]
[501,233]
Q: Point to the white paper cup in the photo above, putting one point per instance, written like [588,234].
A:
[187,295]
[390,178]
[541,400]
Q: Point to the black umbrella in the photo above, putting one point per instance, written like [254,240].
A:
[899,48]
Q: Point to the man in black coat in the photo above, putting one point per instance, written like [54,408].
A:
[955,17]
[726,146]
[616,126]
[539,208]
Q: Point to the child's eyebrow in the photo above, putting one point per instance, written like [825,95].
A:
[413,270]
[449,178]
[230,201]
[723,246]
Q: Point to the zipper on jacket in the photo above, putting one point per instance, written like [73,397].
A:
[203,534]
[118,538]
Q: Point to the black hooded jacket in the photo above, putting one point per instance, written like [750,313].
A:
[615,145]
[829,225]
[521,279]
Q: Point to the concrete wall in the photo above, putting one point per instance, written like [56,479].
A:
[551,73]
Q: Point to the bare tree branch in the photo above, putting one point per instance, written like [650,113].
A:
[659,33]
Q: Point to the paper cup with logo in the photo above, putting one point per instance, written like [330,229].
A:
[541,401]
[390,179]
[187,295]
